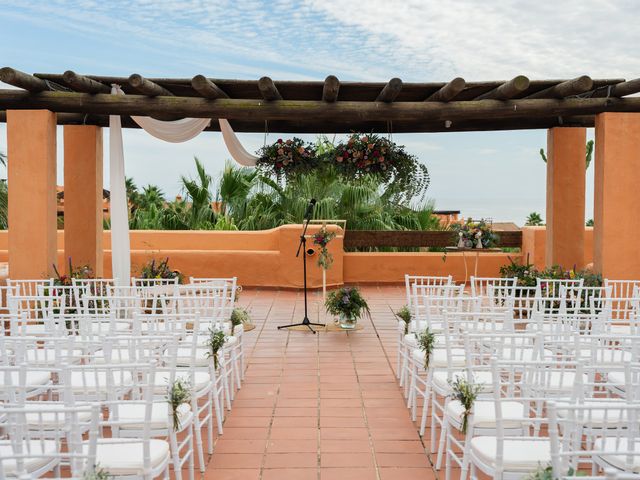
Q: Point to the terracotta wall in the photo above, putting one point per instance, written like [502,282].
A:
[267,258]
[534,241]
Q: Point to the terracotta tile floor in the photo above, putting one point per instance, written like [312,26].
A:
[319,407]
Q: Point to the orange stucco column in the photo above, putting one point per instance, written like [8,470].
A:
[565,196]
[31,154]
[617,195]
[83,196]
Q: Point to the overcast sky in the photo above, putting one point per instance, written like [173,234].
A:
[494,174]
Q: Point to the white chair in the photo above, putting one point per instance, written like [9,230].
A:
[34,449]
[29,288]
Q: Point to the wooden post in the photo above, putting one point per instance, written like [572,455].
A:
[83,196]
[566,150]
[616,195]
[31,154]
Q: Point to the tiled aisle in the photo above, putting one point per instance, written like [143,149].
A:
[319,407]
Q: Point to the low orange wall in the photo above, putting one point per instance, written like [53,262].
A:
[267,258]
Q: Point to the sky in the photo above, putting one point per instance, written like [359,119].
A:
[497,175]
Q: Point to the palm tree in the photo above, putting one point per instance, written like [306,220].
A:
[3,159]
[534,220]
[151,195]
[133,195]
[198,190]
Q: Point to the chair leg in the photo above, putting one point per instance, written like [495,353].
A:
[219,410]
[198,430]
[447,459]
[443,436]
[191,454]
[433,423]
[175,455]
[425,409]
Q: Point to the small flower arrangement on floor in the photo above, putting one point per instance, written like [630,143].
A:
[348,304]
[426,343]
[287,157]
[466,392]
[97,474]
[404,314]
[83,271]
[215,342]
[239,316]
[474,234]
[322,239]
[153,270]
[179,393]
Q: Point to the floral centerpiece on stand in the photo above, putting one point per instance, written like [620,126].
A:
[322,239]
[474,234]
[287,157]
[348,304]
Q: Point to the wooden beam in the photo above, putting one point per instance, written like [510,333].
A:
[507,90]
[330,89]
[324,126]
[22,80]
[619,89]
[448,92]
[418,238]
[83,84]
[565,89]
[147,87]
[306,111]
[207,88]
[390,91]
[268,89]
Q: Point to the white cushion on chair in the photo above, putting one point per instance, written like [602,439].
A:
[439,357]
[80,382]
[120,458]
[484,414]
[610,355]
[44,447]
[617,379]
[201,380]
[133,415]
[519,455]
[596,417]
[618,461]
[441,383]
[34,378]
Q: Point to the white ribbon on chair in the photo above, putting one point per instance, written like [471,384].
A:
[176,131]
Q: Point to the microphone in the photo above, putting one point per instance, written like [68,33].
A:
[309,212]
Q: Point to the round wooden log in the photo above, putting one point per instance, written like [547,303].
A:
[268,89]
[207,88]
[330,89]
[80,83]
[390,91]
[449,91]
[619,89]
[147,87]
[307,111]
[566,89]
[507,90]
[22,80]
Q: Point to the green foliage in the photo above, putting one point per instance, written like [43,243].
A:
[179,393]
[534,219]
[590,223]
[3,159]
[404,314]
[4,205]
[215,342]
[347,302]
[525,273]
[546,473]
[151,195]
[466,392]
[154,269]
[239,316]
[83,271]
[426,343]
[587,157]
[97,474]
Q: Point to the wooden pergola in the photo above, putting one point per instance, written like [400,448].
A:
[83,103]
[328,106]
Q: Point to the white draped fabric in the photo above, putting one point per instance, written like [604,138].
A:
[236,150]
[175,132]
[120,246]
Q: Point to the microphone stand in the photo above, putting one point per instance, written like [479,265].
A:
[303,246]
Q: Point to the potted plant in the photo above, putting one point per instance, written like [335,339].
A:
[154,269]
[348,305]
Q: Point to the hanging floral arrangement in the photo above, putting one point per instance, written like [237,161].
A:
[322,239]
[373,154]
[287,157]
